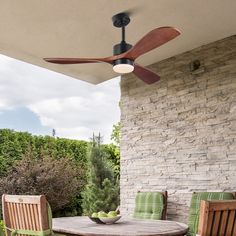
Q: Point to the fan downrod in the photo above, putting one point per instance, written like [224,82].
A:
[121,20]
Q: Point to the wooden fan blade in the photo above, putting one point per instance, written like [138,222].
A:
[79,60]
[145,74]
[152,40]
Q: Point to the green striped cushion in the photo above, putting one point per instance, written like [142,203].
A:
[195,207]
[50,221]
[149,205]
[1,231]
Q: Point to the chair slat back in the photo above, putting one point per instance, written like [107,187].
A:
[25,212]
[217,218]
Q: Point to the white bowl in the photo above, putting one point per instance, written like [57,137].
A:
[110,220]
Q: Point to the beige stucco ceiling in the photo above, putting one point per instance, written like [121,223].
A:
[31,30]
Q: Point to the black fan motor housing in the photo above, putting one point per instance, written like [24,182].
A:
[121,47]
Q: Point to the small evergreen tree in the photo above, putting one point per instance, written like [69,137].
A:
[102,190]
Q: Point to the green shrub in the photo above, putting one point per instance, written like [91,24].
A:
[60,180]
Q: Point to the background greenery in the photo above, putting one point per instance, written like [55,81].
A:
[37,162]
[101,192]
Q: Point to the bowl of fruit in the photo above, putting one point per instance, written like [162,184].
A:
[102,217]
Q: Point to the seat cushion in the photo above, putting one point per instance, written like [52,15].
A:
[1,231]
[149,205]
[58,234]
[195,207]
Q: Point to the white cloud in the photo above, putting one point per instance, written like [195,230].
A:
[74,108]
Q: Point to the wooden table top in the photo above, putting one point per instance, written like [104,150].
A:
[82,225]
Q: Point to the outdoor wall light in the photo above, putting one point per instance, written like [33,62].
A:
[194,65]
[123,66]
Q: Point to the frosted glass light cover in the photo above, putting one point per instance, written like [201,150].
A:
[123,68]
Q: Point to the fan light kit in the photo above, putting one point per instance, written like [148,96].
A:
[123,66]
[124,54]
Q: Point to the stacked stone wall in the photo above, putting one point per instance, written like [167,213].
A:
[179,134]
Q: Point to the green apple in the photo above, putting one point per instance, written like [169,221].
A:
[112,214]
[95,215]
[102,214]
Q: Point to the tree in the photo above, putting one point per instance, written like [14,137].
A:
[115,136]
[102,189]
[113,150]
[53,133]
[113,153]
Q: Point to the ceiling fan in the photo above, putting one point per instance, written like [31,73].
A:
[124,54]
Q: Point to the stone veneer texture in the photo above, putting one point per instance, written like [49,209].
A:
[179,134]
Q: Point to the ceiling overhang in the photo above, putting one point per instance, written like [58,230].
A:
[32,30]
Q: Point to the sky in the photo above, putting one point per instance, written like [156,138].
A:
[37,100]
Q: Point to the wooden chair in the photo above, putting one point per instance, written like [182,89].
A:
[217,218]
[165,194]
[27,215]
[195,205]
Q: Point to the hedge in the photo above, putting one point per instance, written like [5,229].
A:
[14,145]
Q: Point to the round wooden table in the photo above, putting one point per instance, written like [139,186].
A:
[82,225]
